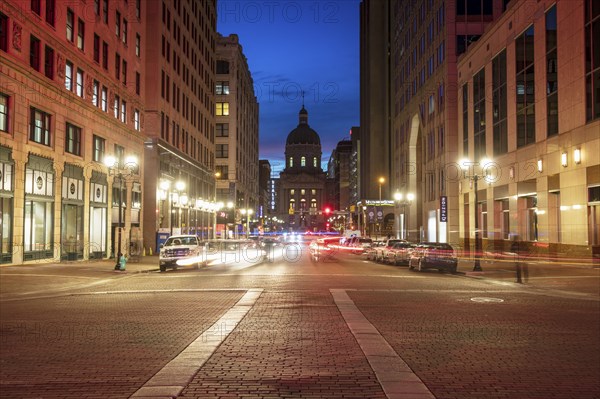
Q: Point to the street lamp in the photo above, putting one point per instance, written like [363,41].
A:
[179,187]
[183,201]
[231,211]
[118,168]
[249,213]
[470,173]
[381,181]
[404,201]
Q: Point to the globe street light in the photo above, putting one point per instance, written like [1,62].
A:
[118,168]
[381,181]
[249,213]
[404,201]
[470,173]
[179,187]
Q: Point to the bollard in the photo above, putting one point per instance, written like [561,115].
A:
[122,262]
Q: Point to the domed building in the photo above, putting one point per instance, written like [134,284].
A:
[302,183]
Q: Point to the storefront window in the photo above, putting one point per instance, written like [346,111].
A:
[38,229]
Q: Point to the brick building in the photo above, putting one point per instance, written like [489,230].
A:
[71,94]
[180,119]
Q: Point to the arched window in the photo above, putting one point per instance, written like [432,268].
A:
[303,161]
[291,162]
[315,162]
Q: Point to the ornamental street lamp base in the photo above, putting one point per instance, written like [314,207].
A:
[477,266]
[118,261]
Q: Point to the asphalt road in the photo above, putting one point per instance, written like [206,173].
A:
[291,328]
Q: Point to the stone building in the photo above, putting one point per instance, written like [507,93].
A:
[236,141]
[529,102]
[302,183]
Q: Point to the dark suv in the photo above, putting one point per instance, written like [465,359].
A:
[433,255]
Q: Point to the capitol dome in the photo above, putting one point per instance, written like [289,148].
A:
[303,134]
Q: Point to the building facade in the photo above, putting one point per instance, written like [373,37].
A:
[264,197]
[236,141]
[529,102]
[338,171]
[71,95]
[425,39]
[375,97]
[302,189]
[179,189]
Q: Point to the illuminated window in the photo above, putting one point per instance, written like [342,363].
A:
[303,161]
[222,109]
[291,162]
[315,162]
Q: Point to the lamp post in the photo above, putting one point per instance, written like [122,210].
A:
[230,209]
[404,201]
[118,168]
[164,186]
[470,173]
[247,212]
[218,206]
[381,181]
[179,187]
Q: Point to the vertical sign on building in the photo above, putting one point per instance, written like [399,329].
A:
[443,209]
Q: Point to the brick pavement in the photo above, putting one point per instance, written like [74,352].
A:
[98,345]
[525,347]
[292,344]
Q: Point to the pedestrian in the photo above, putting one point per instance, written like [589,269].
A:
[518,249]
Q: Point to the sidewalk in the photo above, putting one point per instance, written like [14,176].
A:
[581,277]
[142,264]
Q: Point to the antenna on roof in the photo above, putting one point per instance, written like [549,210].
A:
[302,98]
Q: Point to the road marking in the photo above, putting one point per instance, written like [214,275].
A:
[487,300]
[169,381]
[396,378]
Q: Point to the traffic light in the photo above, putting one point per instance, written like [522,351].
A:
[327,211]
[327,226]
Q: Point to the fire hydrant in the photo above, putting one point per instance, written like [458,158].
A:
[122,263]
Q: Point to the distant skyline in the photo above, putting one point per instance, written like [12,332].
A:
[295,46]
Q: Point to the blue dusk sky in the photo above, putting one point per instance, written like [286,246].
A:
[295,46]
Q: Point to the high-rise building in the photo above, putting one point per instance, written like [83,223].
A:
[264,197]
[179,182]
[375,93]
[529,102]
[338,170]
[422,41]
[71,98]
[236,141]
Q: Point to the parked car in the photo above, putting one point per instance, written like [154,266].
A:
[398,253]
[361,244]
[323,248]
[185,249]
[371,253]
[380,252]
[431,255]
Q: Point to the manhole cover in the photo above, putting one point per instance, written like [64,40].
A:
[484,299]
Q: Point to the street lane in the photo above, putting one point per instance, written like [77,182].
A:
[113,336]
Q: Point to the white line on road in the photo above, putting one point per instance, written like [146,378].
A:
[396,378]
[177,374]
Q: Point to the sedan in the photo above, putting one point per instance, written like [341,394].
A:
[398,253]
[432,255]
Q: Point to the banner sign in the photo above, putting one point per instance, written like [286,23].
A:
[443,209]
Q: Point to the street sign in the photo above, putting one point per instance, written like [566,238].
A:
[443,209]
